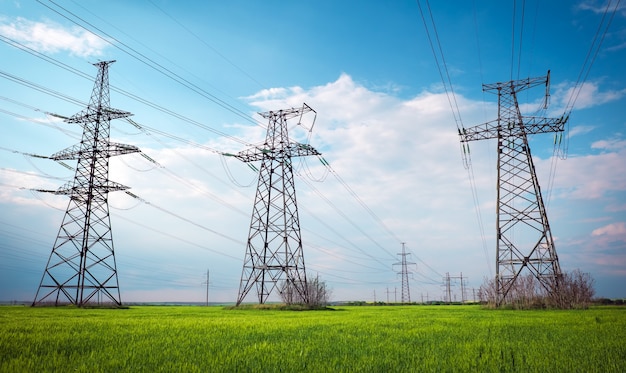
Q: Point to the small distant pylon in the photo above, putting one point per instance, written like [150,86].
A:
[81,269]
[524,238]
[274,249]
[404,273]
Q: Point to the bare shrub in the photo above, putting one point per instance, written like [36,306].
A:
[316,293]
[575,290]
[570,290]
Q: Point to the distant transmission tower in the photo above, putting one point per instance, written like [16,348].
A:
[81,269]
[274,248]
[524,239]
[404,272]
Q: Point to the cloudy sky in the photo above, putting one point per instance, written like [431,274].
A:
[390,88]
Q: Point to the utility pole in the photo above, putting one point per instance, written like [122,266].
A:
[462,289]
[207,287]
[81,268]
[404,273]
[524,238]
[447,285]
[274,248]
[448,278]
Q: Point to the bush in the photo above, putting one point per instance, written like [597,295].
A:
[312,293]
[570,290]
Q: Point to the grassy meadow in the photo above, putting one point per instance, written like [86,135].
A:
[346,339]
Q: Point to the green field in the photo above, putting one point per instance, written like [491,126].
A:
[347,339]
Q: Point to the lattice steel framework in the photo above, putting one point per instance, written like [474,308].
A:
[274,248]
[524,238]
[404,273]
[81,269]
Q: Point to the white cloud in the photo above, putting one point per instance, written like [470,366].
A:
[580,130]
[612,144]
[589,176]
[585,96]
[601,7]
[613,230]
[401,157]
[49,37]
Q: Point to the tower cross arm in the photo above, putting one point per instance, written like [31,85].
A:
[92,115]
[515,85]
[288,113]
[70,188]
[531,125]
[121,149]
[75,151]
[293,149]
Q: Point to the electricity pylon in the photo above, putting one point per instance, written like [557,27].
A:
[274,248]
[524,238]
[404,272]
[81,268]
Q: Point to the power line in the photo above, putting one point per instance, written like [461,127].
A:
[77,72]
[344,184]
[145,60]
[438,54]
[182,25]
[446,81]
[592,53]
[148,131]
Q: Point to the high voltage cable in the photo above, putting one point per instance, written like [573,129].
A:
[152,50]
[465,154]
[146,60]
[148,130]
[229,61]
[344,184]
[207,44]
[334,231]
[16,44]
[170,212]
[445,81]
[468,165]
[339,179]
[30,255]
[160,231]
[371,213]
[594,48]
[424,263]
[40,88]
[77,72]
[342,214]
[363,204]
[344,258]
[521,36]
[32,174]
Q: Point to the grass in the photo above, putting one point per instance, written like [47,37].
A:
[347,339]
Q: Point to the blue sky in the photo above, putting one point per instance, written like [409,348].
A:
[383,123]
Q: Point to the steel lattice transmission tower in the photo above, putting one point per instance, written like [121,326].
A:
[524,238]
[274,248]
[81,269]
[404,273]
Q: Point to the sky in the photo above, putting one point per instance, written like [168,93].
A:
[390,83]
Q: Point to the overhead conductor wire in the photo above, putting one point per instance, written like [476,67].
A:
[447,82]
